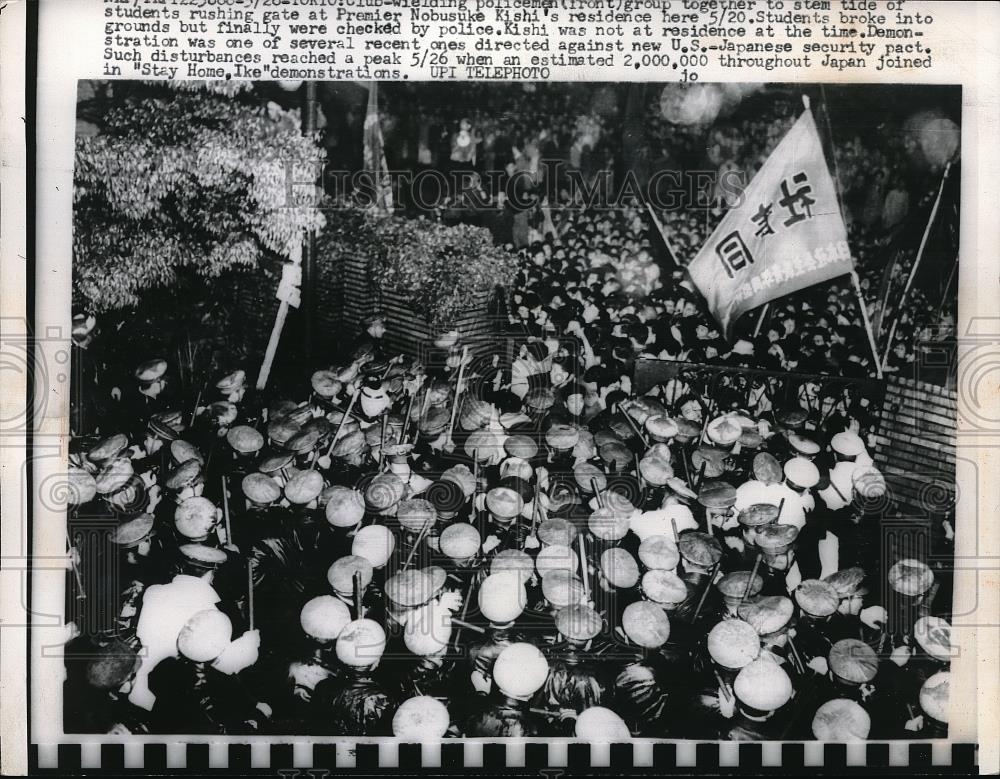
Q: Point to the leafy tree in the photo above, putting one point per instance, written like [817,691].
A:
[182,177]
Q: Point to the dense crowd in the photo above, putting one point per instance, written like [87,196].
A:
[471,547]
[605,266]
[597,284]
[508,539]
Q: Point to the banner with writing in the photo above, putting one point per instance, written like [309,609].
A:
[786,233]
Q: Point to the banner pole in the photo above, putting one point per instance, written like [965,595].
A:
[840,205]
[868,324]
[272,345]
[916,263]
[947,287]
[881,305]
[308,250]
[295,257]
[663,233]
[833,148]
[760,320]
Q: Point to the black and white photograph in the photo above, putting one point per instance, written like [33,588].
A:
[513,410]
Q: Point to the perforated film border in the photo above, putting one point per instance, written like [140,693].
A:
[549,758]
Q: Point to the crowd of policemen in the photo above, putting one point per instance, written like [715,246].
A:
[423,550]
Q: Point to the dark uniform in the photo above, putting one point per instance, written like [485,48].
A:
[650,690]
[96,669]
[576,680]
[482,654]
[500,716]
[356,705]
[196,698]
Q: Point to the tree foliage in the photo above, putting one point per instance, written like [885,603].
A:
[180,178]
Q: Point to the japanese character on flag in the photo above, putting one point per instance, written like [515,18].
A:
[785,234]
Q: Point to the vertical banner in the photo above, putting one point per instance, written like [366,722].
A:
[374,154]
[786,234]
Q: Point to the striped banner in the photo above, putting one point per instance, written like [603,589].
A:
[345,296]
[407,331]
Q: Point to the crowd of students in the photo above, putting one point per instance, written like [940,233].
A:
[597,247]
